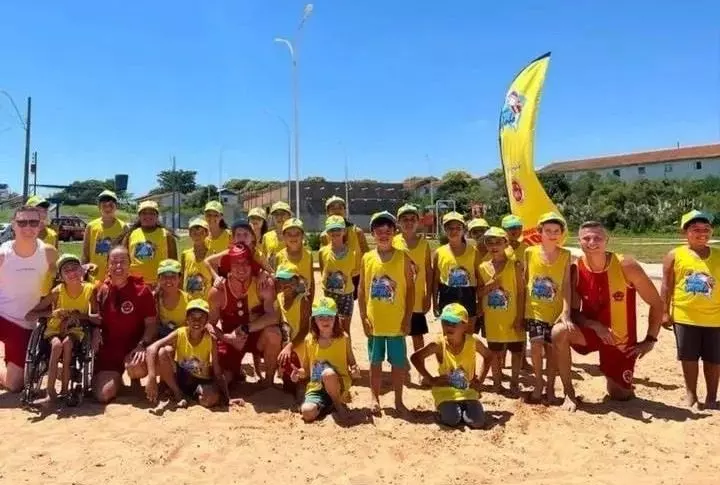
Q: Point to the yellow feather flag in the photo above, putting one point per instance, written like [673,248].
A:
[528,199]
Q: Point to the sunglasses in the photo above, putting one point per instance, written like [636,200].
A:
[27,222]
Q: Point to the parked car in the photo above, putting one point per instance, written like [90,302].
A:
[6,232]
[69,228]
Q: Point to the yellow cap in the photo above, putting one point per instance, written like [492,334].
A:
[257,212]
[280,206]
[551,217]
[334,222]
[285,272]
[66,258]
[293,222]
[478,223]
[197,304]
[333,200]
[324,307]
[408,209]
[37,201]
[695,215]
[214,206]
[148,205]
[198,222]
[453,216]
[169,266]
[496,232]
[511,221]
[454,313]
[379,217]
[107,194]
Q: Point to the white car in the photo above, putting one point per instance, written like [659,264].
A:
[6,232]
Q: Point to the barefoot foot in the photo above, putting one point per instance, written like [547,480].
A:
[570,404]
[375,408]
[690,400]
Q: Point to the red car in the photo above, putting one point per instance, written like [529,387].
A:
[69,228]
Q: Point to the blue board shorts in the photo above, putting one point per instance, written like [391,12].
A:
[393,347]
[321,399]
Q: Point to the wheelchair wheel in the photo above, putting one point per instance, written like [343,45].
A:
[35,366]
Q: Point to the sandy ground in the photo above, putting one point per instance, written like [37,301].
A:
[652,440]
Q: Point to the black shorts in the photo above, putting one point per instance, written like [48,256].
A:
[695,343]
[189,383]
[513,347]
[465,295]
[356,282]
[539,330]
[480,325]
[418,324]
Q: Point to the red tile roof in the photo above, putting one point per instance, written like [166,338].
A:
[642,158]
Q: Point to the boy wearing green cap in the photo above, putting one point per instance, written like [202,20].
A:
[100,235]
[187,361]
[454,389]
[386,300]
[295,254]
[419,251]
[513,226]
[692,305]
[294,308]
[272,241]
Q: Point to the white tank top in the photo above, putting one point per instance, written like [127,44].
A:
[21,281]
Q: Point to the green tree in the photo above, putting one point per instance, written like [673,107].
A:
[84,191]
[181,180]
[200,196]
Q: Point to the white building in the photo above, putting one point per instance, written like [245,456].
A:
[696,162]
[229,197]
[164,200]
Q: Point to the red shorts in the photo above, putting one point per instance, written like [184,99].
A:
[15,338]
[287,369]
[106,362]
[614,363]
[230,358]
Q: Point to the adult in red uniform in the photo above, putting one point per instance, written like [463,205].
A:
[604,286]
[243,316]
[129,324]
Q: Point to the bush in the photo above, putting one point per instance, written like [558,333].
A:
[313,240]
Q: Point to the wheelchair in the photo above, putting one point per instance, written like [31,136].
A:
[37,359]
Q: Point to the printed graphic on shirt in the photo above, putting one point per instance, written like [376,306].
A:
[544,288]
[194,366]
[103,246]
[382,288]
[145,251]
[498,299]
[698,283]
[457,379]
[335,282]
[127,307]
[318,369]
[458,277]
[195,283]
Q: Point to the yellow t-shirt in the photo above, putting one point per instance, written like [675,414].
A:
[353,244]
[337,272]
[290,320]
[51,239]
[101,242]
[457,271]
[460,369]
[696,300]
[318,359]
[385,290]
[500,305]
[303,268]
[195,359]
[65,302]
[147,249]
[173,318]
[197,279]
[271,245]
[544,299]
[218,244]
[418,257]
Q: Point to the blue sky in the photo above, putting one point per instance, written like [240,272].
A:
[119,86]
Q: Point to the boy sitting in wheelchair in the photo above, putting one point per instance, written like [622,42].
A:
[69,307]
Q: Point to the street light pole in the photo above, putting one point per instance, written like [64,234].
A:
[292,47]
[289,150]
[25,122]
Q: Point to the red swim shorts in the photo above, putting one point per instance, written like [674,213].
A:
[15,338]
[614,363]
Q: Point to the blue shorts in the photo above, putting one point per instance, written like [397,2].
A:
[394,347]
[321,399]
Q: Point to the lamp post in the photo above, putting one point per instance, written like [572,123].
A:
[25,122]
[292,46]
[289,149]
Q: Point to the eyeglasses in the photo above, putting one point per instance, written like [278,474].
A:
[27,222]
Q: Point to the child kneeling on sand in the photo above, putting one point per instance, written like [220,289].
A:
[456,400]
[187,361]
[329,358]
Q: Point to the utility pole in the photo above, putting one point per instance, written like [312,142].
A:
[174,192]
[26,171]
[33,171]
[347,187]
